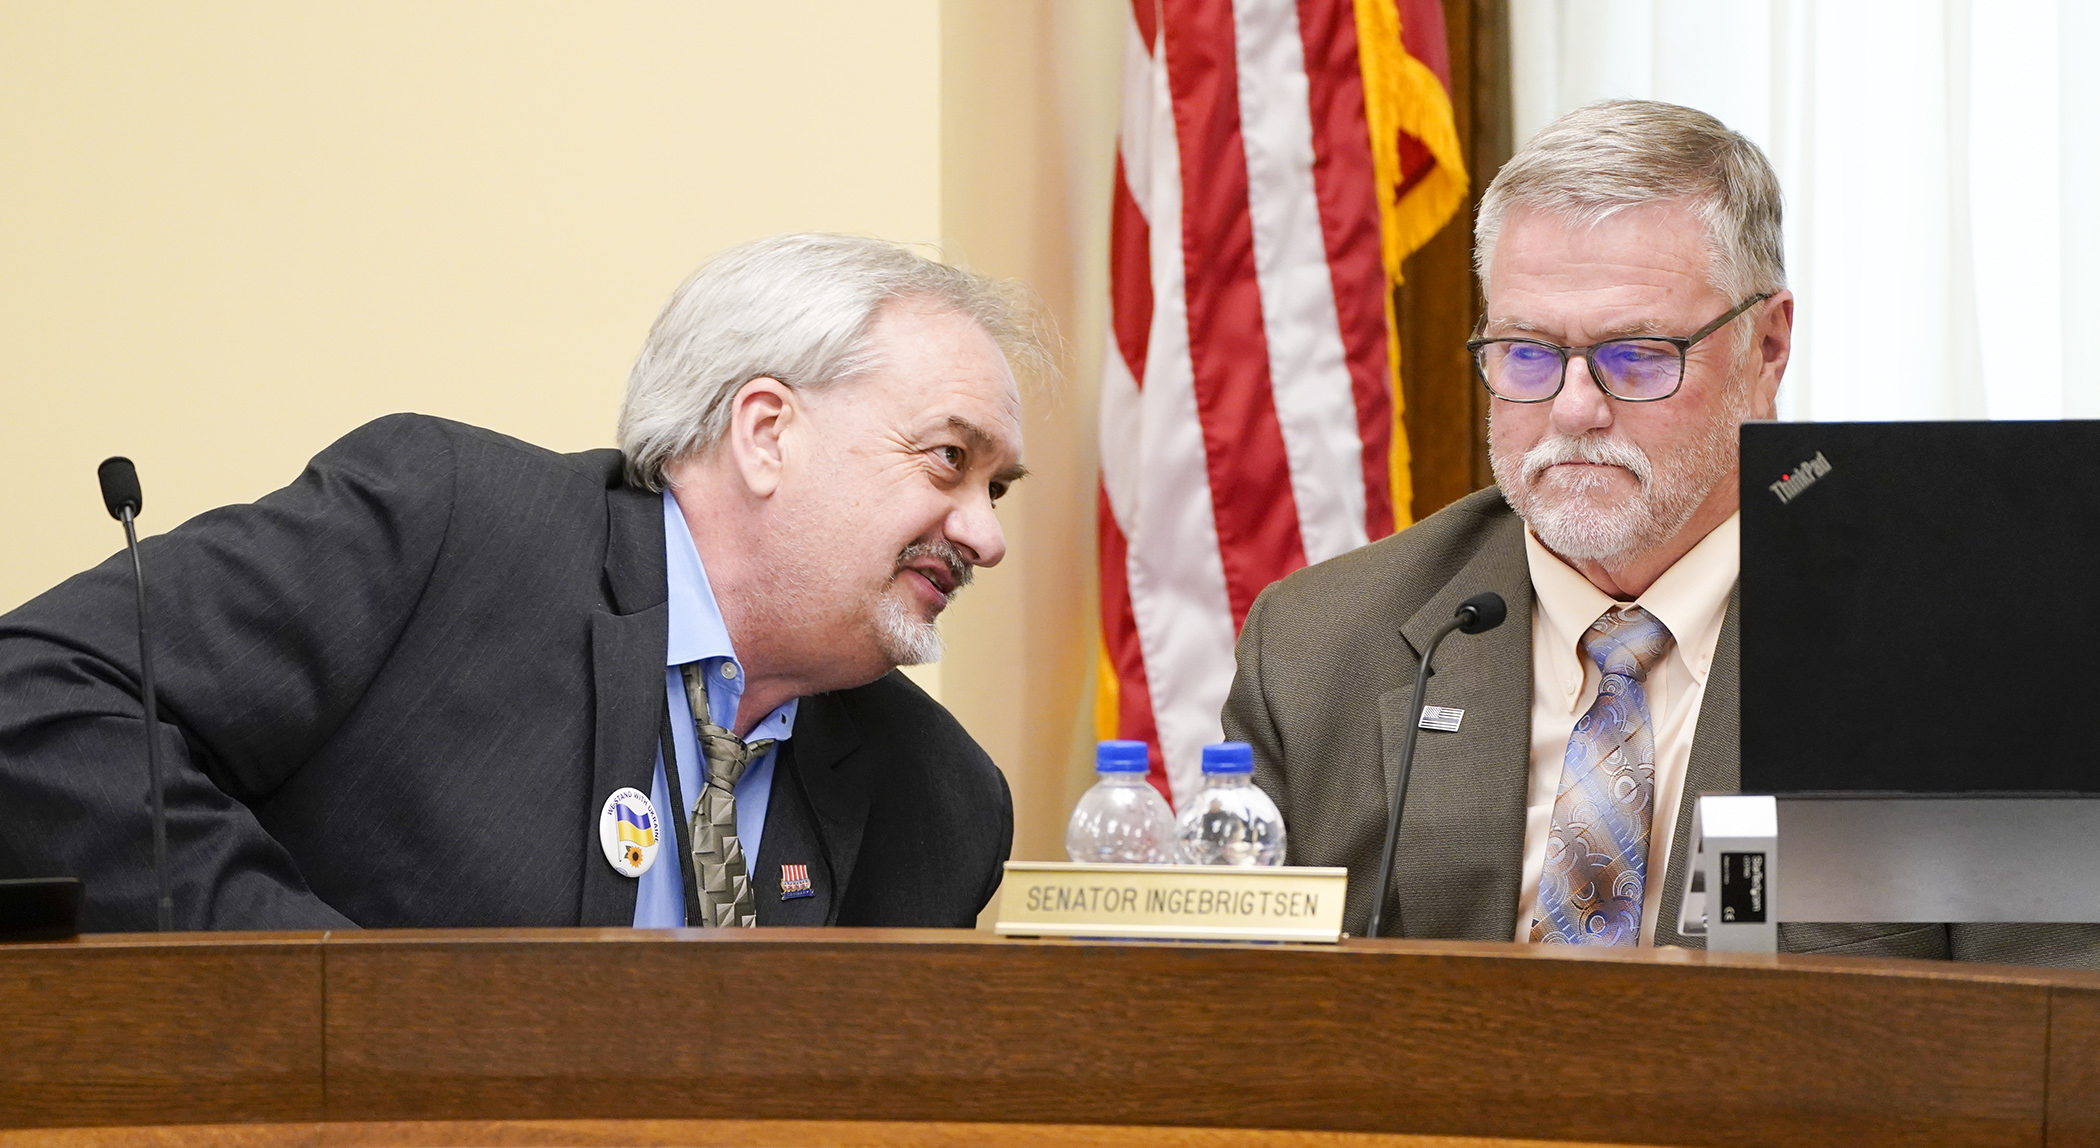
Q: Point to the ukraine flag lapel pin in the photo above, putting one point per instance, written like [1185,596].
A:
[629,833]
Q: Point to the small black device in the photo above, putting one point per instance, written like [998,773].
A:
[1918,613]
[39,908]
[1475,615]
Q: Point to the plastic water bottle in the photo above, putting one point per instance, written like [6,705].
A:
[1231,822]
[1122,819]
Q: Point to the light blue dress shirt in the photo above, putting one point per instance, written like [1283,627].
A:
[697,634]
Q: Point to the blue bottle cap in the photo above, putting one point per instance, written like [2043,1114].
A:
[1228,757]
[1122,757]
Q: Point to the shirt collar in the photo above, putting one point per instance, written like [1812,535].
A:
[1567,603]
[1691,598]
[696,632]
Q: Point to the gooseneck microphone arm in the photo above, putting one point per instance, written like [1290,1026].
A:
[120,495]
[1480,613]
[160,808]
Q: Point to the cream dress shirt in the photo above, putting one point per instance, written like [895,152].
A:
[1691,598]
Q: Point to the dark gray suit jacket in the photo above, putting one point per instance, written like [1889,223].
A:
[398,692]
[1326,671]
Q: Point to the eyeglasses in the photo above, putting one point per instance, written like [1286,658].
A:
[1641,370]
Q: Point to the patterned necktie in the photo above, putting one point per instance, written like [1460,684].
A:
[718,857]
[1596,871]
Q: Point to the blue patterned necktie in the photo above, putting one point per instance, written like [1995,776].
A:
[1596,870]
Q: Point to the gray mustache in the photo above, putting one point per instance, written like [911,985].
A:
[1608,452]
[959,571]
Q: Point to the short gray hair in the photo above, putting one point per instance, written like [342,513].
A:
[1605,157]
[796,308]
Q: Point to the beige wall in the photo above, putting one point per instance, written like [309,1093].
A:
[235,231]
[1029,110]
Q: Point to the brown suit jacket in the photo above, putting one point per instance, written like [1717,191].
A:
[1326,671]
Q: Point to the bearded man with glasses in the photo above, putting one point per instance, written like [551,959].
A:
[1636,316]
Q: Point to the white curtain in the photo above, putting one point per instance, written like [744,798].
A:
[1941,163]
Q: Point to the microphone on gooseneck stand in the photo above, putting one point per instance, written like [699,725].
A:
[1476,615]
[120,493]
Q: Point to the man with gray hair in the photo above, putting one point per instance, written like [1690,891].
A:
[1636,315]
[450,679]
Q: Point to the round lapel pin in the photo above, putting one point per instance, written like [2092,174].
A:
[629,831]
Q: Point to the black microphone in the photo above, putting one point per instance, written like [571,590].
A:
[120,493]
[1476,615]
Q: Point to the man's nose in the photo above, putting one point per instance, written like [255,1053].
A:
[1581,406]
[973,526]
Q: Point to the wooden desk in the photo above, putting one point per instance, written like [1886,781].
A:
[960,1035]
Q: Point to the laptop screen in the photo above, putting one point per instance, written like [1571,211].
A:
[1919,611]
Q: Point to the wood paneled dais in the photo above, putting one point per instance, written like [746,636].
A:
[482,1035]
[196,1027]
[1481,1040]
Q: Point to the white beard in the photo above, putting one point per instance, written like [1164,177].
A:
[1569,511]
[903,639]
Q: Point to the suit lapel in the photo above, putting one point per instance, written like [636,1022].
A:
[1462,834]
[792,838]
[823,761]
[1715,765]
[627,681]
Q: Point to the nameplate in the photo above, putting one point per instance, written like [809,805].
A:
[1172,902]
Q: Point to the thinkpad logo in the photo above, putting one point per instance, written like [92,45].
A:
[1790,486]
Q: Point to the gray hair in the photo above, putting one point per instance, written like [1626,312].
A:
[1605,157]
[797,308]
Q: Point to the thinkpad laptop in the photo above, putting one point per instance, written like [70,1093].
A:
[1921,607]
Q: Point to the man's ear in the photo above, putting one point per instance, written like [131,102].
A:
[1775,345]
[759,417]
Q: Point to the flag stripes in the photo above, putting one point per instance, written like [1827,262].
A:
[1256,519]
[1344,178]
[1248,411]
[1309,376]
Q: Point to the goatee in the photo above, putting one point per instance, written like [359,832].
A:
[906,639]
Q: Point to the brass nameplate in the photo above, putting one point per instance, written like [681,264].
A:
[1172,902]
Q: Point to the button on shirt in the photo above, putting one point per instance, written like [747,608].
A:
[1691,598]
[697,634]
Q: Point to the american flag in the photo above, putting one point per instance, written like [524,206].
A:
[1277,160]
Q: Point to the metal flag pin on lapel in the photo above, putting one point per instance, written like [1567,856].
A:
[1445,718]
[794,882]
[629,832]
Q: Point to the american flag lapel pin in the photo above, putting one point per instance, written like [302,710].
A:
[794,882]
[1445,718]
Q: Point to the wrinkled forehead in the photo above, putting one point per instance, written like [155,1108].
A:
[933,366]
[1672,229]
[1547,267]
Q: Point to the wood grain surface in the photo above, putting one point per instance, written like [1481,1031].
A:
[135,1029]
[820,1036]
[723,1134]
[1480,1040]
[2074,1067]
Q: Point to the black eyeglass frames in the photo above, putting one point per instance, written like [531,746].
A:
[1645,369]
